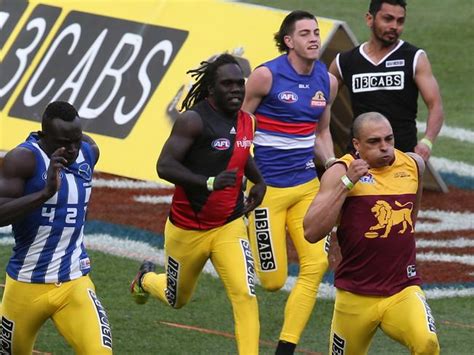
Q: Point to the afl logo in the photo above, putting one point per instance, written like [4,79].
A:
[288,96]
[221,144]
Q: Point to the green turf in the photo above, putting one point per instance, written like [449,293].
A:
[443,28]
[137,329]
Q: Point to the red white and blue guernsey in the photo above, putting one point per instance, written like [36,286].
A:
[49,244]
[286,122]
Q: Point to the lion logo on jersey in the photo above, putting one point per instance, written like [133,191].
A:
[387,217]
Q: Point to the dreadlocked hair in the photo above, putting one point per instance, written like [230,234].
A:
[205,77]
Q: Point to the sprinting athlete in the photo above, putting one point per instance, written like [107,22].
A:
[375,194]
[291,97]
[206,157]
[45,186]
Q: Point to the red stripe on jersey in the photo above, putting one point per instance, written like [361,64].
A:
[295,128]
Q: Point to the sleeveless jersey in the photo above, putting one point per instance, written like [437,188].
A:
[223,145]
[388,87]
[49,240]
[286,121]
[376,234]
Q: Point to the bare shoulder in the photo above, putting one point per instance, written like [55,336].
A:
[189,123]
[260,80]
[19,162]
[419,161]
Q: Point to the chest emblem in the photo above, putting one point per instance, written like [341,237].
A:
[288,97]
[221,144]
[85,171]
[318,100]
[387,217]
[367,179]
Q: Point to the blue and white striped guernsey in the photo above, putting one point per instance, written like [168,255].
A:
[49,244]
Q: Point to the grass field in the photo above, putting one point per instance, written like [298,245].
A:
[444,29]
[137,329]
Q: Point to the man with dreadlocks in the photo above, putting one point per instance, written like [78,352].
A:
[206,157]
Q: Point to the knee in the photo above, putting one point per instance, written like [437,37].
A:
[178,302]
[272,284]
[427,346]
[313,270]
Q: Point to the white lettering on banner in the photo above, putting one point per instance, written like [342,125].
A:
[167,48]
[83,67]
[22,54]
[3,18]
[28,98]
[107,67]
[128,38]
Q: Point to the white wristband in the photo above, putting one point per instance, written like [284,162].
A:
[347,182]
[427,142]
[210,183]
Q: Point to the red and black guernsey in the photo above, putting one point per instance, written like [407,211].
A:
[223,145]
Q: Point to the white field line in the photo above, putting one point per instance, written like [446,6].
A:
[153,199]
[445,221]
[450,243]
[140,251]
[459,168]
[118,183]
[461,134]
[450,258]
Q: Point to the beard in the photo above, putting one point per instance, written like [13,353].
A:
[386,38]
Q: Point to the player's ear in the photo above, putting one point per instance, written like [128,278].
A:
[369,19]
[355,143]
[288,41]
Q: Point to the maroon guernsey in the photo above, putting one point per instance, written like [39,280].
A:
[376,232]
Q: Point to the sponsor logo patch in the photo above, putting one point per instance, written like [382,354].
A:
[244,143]
[367,179]
[318,100]
[105,331]
[172,275]
[8,327]
[288,97]
[411,271]
[85,264]
[310,164]
[221,144]
[303,86]
[401,174]
[395,63]
[264,240]
[338,345]
[249,266]
[366,82]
